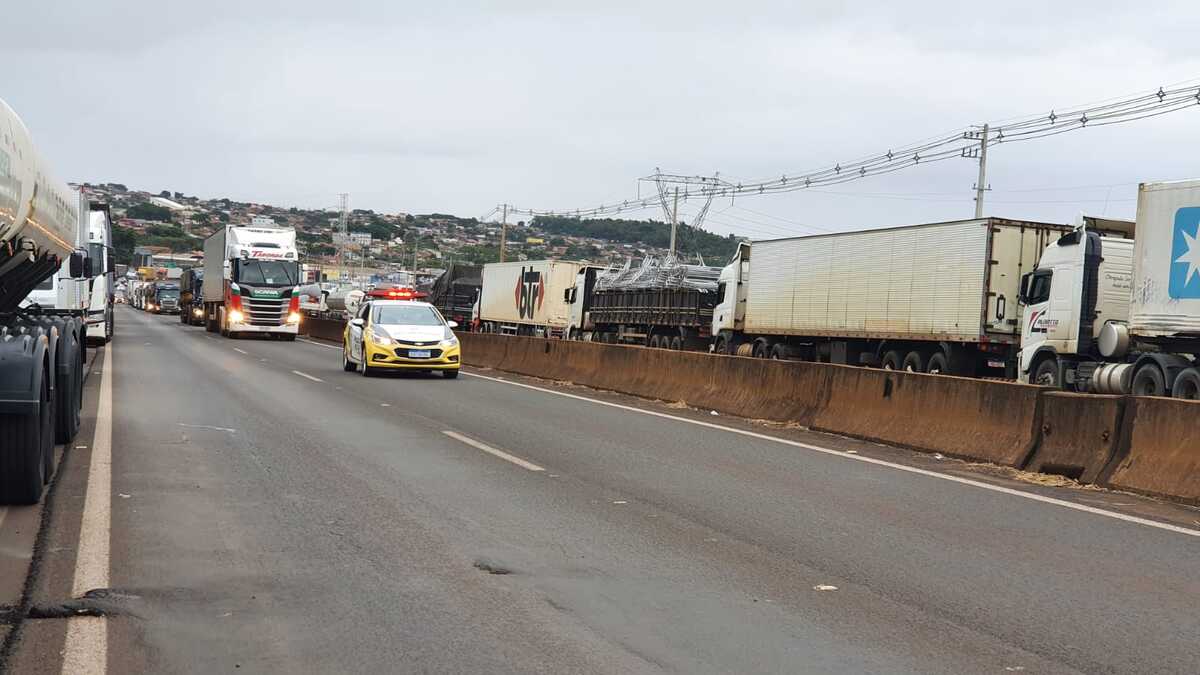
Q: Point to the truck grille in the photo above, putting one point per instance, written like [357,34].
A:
[265,311]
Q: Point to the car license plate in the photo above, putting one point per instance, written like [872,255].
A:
[419,353]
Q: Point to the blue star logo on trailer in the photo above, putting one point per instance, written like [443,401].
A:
[1185,255]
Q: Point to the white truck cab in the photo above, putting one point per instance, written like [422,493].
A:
[1081,283]
[729,315]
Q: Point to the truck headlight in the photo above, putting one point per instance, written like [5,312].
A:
[293,317]
[197,312]
[235,316]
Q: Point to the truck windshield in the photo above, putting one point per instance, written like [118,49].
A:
[169,293]
[410,315]
[269,272]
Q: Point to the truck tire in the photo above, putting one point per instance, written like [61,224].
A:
[891,360]
[914,362]
[22,462]
[1187,385]
[1045,374]
[653,342]
[762,349]
[109,321]
[69,387]
[780,352]
[676,343]
[938,363]
[1149,381]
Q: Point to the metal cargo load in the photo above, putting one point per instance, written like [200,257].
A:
[955,281]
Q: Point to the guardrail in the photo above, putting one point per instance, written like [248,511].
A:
[1140,444]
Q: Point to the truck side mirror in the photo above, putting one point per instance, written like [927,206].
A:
[109,260]
[1023,293]
[566,295]
[76,266]
[89,267]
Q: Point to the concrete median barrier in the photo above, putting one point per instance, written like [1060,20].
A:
[1080,435]
[971,419]
[322,329]
[1162,454]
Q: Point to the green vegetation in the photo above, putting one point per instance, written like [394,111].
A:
[689,240]
[147,211]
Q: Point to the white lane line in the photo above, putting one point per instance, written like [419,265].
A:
[319,344]
[207,426]
[3,512]
[306,375]
[86,646]
[868,460]
[240,351]
[493,451]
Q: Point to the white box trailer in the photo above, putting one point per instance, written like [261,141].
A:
[938,297]
[531,297]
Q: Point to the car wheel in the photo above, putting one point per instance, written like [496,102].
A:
[366,370]
[347,365]
[450,374]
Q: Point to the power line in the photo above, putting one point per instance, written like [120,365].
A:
[959,144]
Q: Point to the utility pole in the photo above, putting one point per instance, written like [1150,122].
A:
[981,185]
[343,225]
[674,220]
[503,231]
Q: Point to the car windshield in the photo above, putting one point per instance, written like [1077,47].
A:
[407,315]
[268,272]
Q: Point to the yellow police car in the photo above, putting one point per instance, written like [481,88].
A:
[400,335]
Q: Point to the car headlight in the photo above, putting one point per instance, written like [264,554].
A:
[450,342]
[381,340]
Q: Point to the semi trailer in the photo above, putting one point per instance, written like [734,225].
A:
[549,298]
[250,285]
[1111,316]
[43,230]
[937,298]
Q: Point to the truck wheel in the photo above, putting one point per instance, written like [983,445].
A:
[914,362]
[68,389]
[719,345]
[1187,385]
[780,352]
[761,349]
[24,439]
[653,343]
[1149,381]
[891,360]
[937,364]
[1046,373]
[676,343]
[108,326]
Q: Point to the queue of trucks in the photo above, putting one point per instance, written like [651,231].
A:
[56,293]
[1102,305]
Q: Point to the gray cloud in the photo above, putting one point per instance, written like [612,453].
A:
[456,106]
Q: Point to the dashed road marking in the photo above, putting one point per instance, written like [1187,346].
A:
[307,376]
[868,460]
[241,351]
[493,451]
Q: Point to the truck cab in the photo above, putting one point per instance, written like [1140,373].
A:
[1081,283]
[729,315]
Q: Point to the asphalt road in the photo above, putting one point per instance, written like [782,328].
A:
[271,513]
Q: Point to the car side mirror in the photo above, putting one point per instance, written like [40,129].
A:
[77,267]
[452,324]
[357,322]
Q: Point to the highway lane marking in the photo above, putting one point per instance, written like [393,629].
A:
[320,344]
[86,646]
[306,375]
[493,451]
[3,512]
[241,351]
[207,426]
[868,460]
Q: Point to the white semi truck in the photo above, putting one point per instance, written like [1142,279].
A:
[936,298]
[101,285]
[1116,317]
[42,351]
[251,277]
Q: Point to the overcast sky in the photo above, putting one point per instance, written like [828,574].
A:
[463,105]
